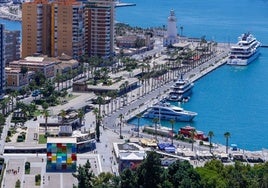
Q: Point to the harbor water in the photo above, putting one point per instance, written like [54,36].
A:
[233,99]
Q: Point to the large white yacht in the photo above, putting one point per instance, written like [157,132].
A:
[166,111]
[182,89]
[245,51]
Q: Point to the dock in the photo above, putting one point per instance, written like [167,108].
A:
[264,46]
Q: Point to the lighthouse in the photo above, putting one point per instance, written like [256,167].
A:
[171,34]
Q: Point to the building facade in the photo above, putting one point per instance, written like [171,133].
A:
[67,28]
[36,64]
[99,28]
[12,48]
[36,24]
[52,28]
[15,79]
[2,61]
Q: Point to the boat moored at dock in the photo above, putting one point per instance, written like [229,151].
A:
[181,90]
[245,51]
[166,111]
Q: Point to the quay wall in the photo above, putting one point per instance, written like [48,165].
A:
[193,75]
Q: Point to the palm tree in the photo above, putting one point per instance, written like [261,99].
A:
[155,121]
[13,95]
[139,117]
[113,95]
[100,101]
[126,85]
[121,116]
[227,135]
[210,134]
[172,121]
[57,80]
[192,134]
[62,115]
[181,28]
[80,115]
[45,112]
[4,104]
[98,118]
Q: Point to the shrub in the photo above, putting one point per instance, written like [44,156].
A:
[37,179]
[27,167]
[17,184]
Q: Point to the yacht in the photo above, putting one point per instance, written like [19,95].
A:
[246,50]
[182,89]
[166,111]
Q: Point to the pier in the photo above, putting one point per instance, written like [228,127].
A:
[124,4]
[264,46]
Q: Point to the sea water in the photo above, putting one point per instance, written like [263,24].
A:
[220,20]
[233,99]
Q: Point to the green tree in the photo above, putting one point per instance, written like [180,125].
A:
[227,135]
[182,174]
[149,173]
[2,119]
[213,175]
[85,176]
[39,78]
[103,180]
[128,179]
[48,89]
[18,184]
[3,105]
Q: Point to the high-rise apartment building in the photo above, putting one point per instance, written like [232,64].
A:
[36,28]
[99,27]
[12,45]
[67,28]
[2,61]
[52,28]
